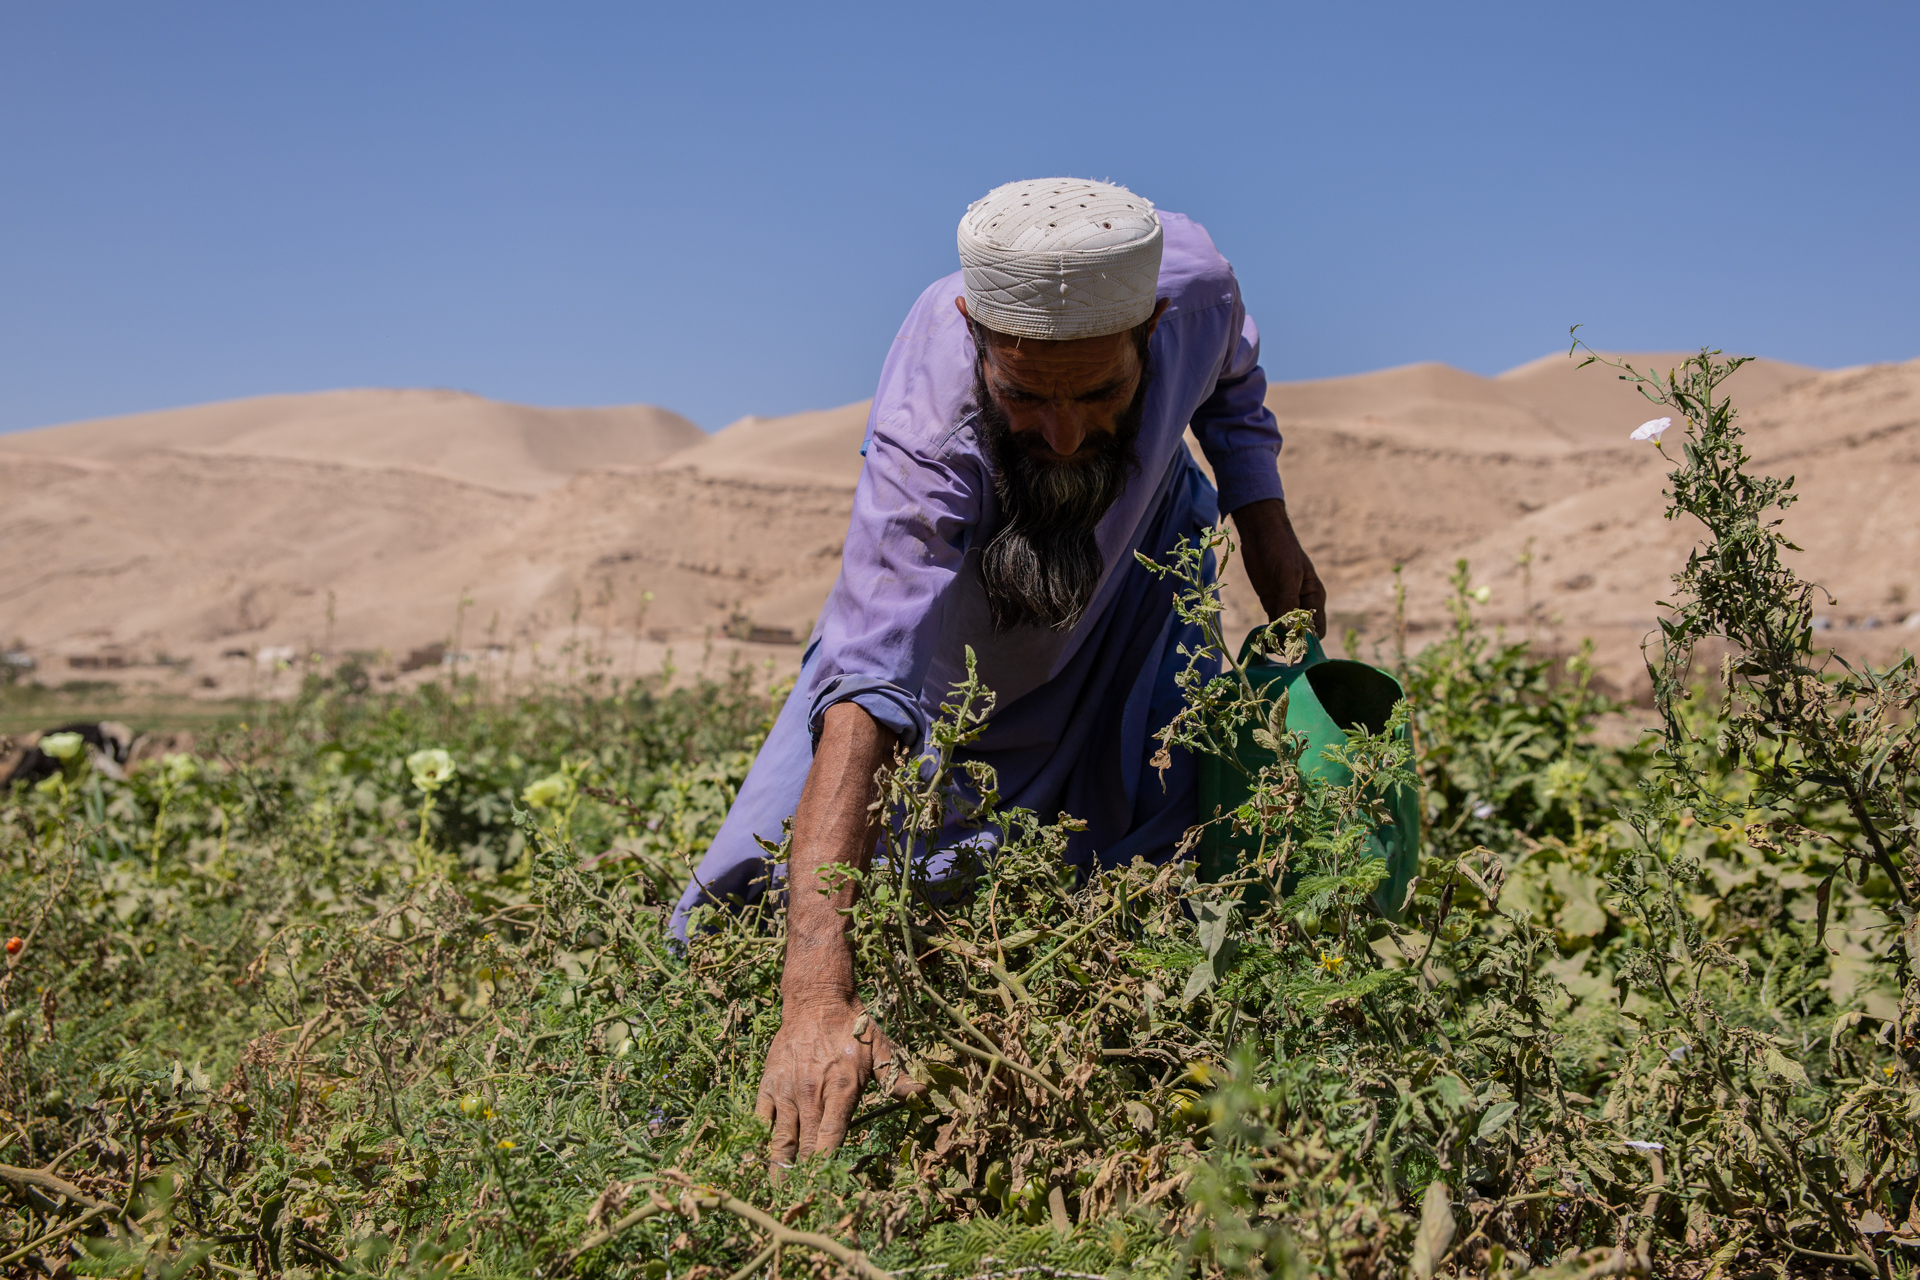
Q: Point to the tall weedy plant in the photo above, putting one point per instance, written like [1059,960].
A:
[1808,1147]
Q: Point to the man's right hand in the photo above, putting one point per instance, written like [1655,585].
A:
[826,1050]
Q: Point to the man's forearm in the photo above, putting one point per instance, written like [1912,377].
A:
[1260,525]
[831,825]
[1277,565]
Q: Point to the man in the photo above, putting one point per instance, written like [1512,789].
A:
[1024,443]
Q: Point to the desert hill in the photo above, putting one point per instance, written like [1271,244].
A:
[450,434]
[816,448]
[1601,557]
[360,521]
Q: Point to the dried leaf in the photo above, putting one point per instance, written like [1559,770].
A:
[1822,897]
[1277,714]
[1057,1207]
[609,1203]
[1436,1231]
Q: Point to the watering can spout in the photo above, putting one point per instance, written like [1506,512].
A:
[1325,697]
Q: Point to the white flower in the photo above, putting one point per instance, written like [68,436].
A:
[1483,811]
[1482,594]
[63,746]
[553,789]
[432,768]
[1651,430]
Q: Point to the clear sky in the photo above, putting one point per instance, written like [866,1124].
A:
[727,209]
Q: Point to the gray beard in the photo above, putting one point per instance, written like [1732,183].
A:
[1043,565]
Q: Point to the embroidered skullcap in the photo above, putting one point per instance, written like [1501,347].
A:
[1060,258]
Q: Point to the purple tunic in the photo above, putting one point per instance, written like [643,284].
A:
[1077,709]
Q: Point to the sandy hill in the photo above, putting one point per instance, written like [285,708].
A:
[1388,467]
[1602,556]
[813,448]
[514,448]
[360,520]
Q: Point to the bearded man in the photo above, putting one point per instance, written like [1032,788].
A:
[1025,441]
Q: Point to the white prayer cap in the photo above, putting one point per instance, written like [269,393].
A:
[1060,258]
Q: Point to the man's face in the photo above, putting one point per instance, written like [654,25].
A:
[1059,422]
[1061,399]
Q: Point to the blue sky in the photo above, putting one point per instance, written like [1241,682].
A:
[726,209]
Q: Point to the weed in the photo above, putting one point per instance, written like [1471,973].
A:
[381,985]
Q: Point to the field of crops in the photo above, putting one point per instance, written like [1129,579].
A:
[380,985]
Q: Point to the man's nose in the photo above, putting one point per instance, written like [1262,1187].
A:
[1062,429]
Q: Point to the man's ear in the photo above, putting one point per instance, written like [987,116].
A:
[961,302]
[1153,321]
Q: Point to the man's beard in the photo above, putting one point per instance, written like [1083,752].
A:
[1043,566]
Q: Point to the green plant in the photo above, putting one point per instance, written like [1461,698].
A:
[1798,1128]
[382,985]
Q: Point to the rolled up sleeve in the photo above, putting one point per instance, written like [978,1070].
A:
[905,544]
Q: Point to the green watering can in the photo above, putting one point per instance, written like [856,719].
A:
[1326,697]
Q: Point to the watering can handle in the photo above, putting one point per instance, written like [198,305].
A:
[1315,654]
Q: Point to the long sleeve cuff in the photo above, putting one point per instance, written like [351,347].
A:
[1247,474]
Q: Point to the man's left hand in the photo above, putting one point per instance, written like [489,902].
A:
[1281,572]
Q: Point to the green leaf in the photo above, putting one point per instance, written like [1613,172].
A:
[1596,1163]
[1199,980]
[1779,1064]
[1214,918]
[1496,1118]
